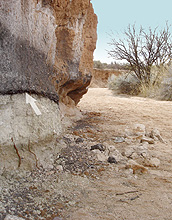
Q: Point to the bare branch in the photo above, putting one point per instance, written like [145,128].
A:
[142,50]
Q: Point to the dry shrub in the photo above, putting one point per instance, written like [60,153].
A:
[165,91]
[124,84]
[160,85]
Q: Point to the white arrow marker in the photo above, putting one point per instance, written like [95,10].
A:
[31,101]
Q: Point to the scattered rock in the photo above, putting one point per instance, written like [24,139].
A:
[98,147]
[142,150]
[12,217]
[148,140]
[155,134]
[113,152]
[100,155]
[59,168]
[57,218]
[112,160]
[67,140]
[153,162]
[128,152]
[135,151]
[79,140]
[137,168]
[119,139]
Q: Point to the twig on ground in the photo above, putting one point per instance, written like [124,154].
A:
[133,198]
[134,191]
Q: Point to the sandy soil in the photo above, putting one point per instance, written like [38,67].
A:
[119,194]
[79,186]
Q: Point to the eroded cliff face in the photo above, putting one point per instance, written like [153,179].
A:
[46,48]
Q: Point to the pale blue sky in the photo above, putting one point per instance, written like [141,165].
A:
[115,15]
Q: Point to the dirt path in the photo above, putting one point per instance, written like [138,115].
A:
[120,194]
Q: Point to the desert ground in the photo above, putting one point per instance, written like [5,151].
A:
[120,194]
[84,183]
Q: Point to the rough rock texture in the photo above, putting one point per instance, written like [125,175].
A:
[19,121]
[46,50]
[100,77]
[46,47]
[27,139]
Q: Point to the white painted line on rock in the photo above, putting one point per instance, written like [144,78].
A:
[30,100]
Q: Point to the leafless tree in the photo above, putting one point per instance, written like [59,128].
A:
[143,50]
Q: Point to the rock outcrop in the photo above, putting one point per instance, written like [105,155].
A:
[100,77]
[46,48]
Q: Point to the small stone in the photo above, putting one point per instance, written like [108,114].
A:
[113,152]
[12,217]
[155,134]
[112,160]
[59,167]
[153,162]
[142,149]
[98,147]
[119,139]
[100,155]
[57,218]
[79,140]
[148,140]
[67,140]
[129,151]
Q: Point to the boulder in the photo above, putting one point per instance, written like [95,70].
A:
[47,48]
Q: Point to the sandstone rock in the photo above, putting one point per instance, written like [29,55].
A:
[12,217]
[100,77]
[19,121]
[47,48]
